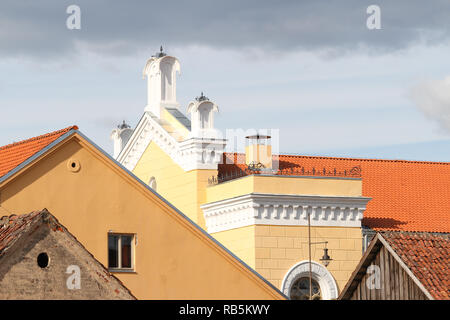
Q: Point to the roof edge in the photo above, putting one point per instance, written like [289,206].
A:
[35,156]
[347,159]
[46,135]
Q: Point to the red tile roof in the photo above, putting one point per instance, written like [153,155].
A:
[14,154]
[11,227]
[406,195]
[427,255]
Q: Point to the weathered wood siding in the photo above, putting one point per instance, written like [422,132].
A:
[395,283]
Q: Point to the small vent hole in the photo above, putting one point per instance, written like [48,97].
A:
[42,260]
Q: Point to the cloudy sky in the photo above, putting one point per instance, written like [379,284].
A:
[309,68]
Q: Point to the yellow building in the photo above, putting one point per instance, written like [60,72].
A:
[152,247]
[255,210]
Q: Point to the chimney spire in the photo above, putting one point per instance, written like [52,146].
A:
[161,71]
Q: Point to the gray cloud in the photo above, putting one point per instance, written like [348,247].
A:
[433,99]
[38,28]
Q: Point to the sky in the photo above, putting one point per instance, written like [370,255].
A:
[312,69]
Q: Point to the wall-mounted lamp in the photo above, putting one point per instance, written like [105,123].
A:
[326,259]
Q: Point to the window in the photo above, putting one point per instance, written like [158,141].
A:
[300,290]
[296,282]
[120,251]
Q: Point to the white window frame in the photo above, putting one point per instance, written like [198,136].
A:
[119,267]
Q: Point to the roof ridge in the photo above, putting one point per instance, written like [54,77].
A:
[6,220]
[414,232]
[349,158]
[46,135]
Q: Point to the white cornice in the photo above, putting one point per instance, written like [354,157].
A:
[283,209]
[190,154]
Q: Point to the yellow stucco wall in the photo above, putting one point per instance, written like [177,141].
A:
[174,260]
[285,185]
[241,242]
[185,190]
[278,248]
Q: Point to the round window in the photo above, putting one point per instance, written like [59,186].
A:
[300,290]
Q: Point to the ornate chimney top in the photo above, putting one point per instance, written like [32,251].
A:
[201,98]
[160,53]
[123,125]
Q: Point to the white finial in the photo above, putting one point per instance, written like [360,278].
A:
[120,136]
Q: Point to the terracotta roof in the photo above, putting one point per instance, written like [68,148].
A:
[427,255]
[12,227]
[14,154]
[406,195]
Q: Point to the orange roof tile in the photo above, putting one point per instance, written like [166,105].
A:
[427,255]
[11,227]
[14,154]
[406,195]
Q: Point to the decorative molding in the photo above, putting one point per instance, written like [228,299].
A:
[283,210]
[328,286]
[194,153]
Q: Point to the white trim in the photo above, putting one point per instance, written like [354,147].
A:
[194,153]
[283,209]
[328,286]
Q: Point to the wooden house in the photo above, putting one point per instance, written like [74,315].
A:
[401,265]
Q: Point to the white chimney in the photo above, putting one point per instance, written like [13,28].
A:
[202,117]
[161,71]
[120,136]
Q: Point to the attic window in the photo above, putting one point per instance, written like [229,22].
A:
[42,260]
[120,252]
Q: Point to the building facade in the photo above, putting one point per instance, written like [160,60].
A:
[261,214]
[147,243]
